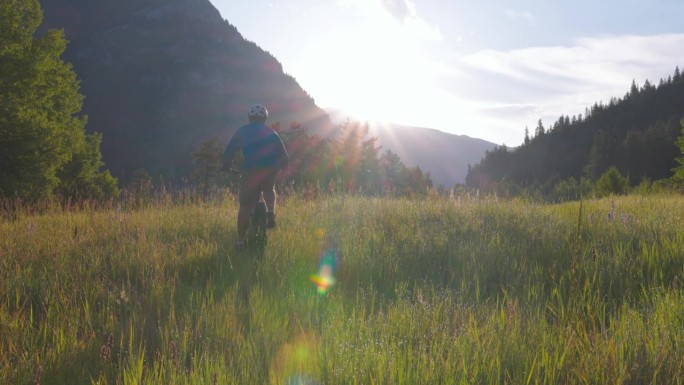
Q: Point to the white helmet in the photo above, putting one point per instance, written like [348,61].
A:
[258,111]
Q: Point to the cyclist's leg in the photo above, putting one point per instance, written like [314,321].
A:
[264,180]
[249,195]
[268,189]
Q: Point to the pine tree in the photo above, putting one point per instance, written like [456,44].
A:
[539,131]
[40,130]
[678,177]
[209,159]
[634,89]
[393,173]
[647,86]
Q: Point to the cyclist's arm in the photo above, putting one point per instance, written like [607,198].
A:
[231,149]
[283,158]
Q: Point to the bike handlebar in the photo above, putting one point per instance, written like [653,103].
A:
[235,171]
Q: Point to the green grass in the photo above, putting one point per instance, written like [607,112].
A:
[428,291]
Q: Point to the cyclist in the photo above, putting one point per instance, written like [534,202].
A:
[264,156]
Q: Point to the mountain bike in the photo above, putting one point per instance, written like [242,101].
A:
[256,236]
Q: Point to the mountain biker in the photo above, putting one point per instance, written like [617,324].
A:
[264,156]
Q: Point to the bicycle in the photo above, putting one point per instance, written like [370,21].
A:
[256,236]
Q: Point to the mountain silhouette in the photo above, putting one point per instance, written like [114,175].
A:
[162,76]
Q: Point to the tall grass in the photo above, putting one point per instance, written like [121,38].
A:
[428,291]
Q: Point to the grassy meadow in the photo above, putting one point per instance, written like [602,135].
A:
[433,291]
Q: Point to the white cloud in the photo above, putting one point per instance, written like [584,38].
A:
[517,87]
[519,15]
[400,9]
[589,62]
[402,13]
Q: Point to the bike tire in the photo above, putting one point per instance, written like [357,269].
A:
[256,236]
[260,223]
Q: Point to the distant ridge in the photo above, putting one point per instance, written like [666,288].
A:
[446,156]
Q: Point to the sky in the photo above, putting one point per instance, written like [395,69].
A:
[482,68]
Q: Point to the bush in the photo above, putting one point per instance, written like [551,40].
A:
[612,182]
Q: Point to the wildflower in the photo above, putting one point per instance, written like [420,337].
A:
[106,350]
[611,214]
[624,218]
[123,296]
[419,297]
[174,354]
[39,375]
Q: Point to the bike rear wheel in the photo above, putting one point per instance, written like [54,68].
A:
[256,231]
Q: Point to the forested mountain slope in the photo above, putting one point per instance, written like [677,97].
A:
[636,133]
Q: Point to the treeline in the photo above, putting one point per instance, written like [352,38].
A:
[351,162]
[636,134]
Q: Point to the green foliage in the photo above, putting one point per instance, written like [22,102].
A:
[349,163]
[310,157]
[82,177]
[678,177]
[347,153]
[644,187]
[567,190]
[400,180]
[428,291]
[612,182]
[40,131]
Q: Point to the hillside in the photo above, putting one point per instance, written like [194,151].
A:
[635,133]
[446,156]
[161,76]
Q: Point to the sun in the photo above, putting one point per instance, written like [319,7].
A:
[374,71]
[381,70]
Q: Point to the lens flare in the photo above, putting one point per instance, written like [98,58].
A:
[296,362]
[325,278]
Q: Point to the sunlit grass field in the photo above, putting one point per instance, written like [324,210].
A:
[427,291]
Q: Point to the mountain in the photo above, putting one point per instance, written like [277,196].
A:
[635,133]
[162,76]
[446,156]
